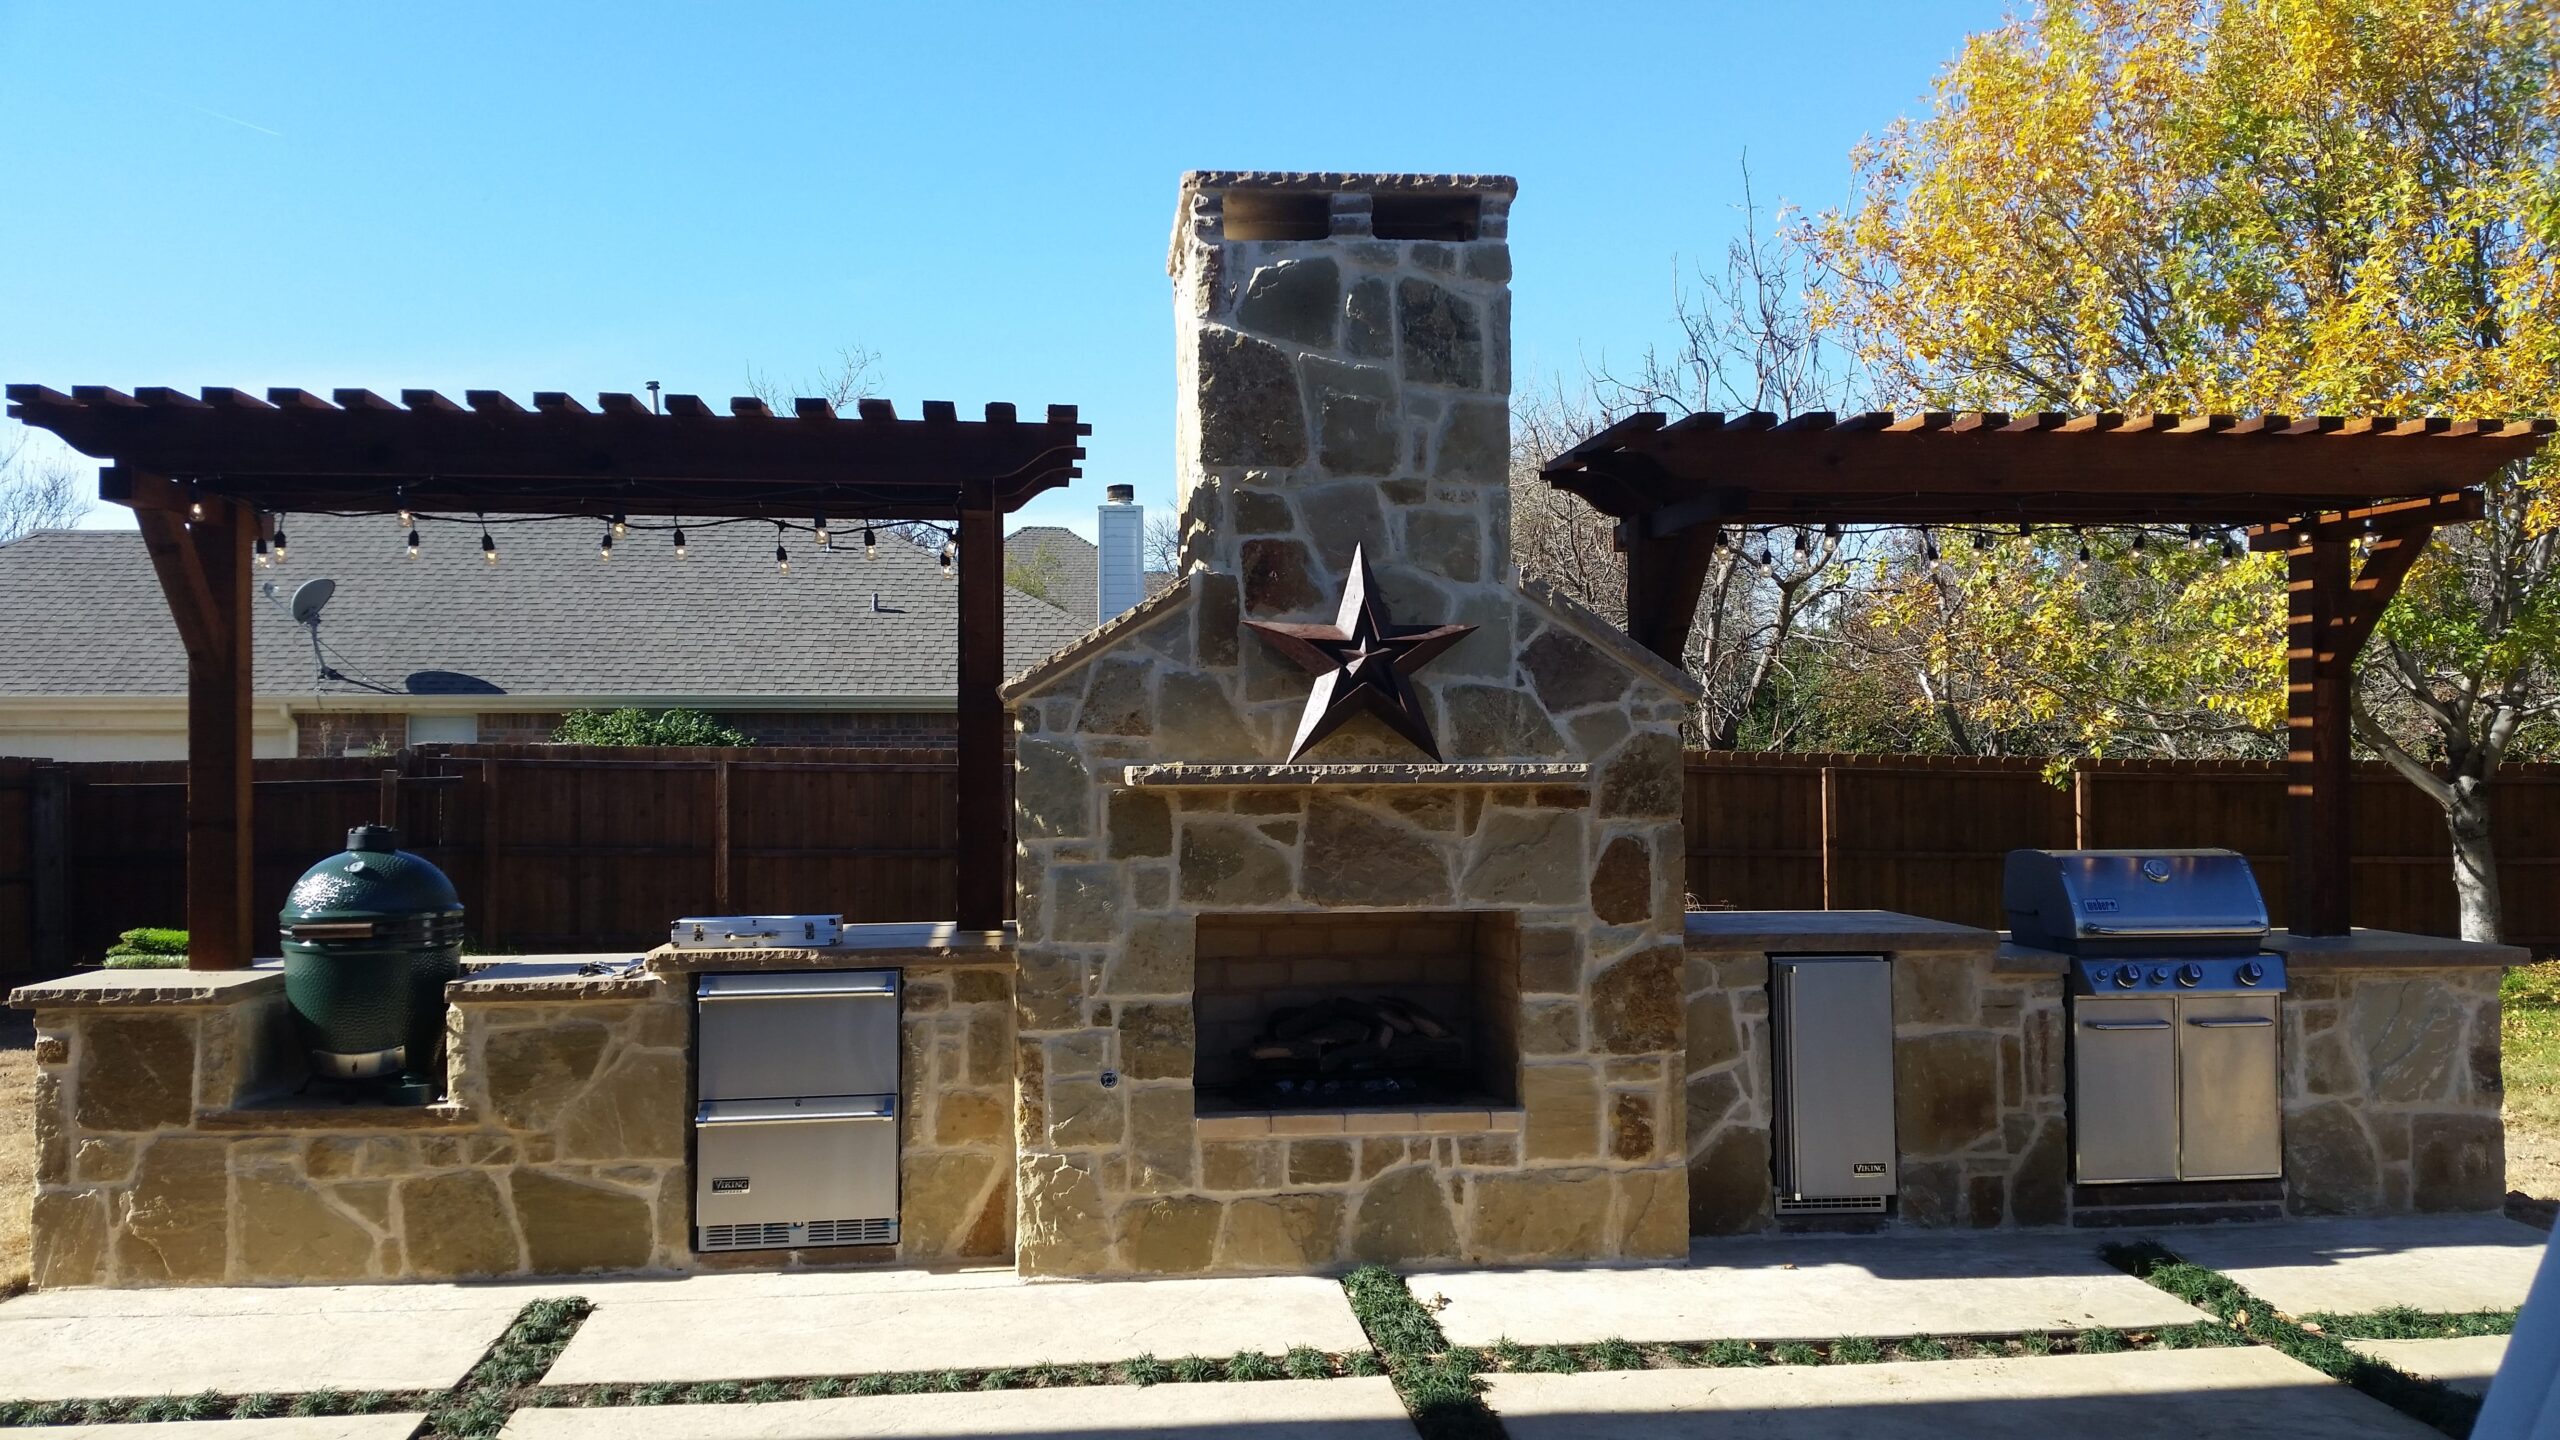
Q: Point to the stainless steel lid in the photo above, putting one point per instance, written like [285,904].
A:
[2093,901]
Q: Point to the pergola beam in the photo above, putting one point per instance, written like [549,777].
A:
[2315,488]
[235,456]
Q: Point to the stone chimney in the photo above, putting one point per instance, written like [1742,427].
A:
[1344,354]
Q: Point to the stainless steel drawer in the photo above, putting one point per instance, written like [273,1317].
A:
[780,1166]
[764,1035]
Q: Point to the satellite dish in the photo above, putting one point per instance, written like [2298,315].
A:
[309,597]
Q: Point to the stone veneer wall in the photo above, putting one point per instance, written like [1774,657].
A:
[562,1151]
[2392,1091]
[1979,1118]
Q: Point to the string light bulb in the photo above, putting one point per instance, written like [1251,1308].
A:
[1831,531]
[280,539]
[2230,550]
[870,544]
[781,555]
[195,502]
[2084,552]
[680,550]
[821,528]
[1804,542]
[2195,537]
[621,526]
[1929,548]
[2025,529]
[413,542]
[604,545]
[2141,538]
[944,560]
[264,559]
[1715,537]
[1763,557]
[488,547]
[1982,540]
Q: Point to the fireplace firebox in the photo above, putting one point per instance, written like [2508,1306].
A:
[1343,1011]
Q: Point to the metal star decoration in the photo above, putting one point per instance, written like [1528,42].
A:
[1363,663]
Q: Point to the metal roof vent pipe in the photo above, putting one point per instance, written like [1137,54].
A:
[1120,570]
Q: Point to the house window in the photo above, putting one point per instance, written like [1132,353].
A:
[443,729]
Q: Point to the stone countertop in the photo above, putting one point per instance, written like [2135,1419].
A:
[113,989]
[605,975]
[937,942]
[2391,950]
[1252,777]
[1785,931]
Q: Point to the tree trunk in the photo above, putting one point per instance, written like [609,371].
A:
[2475,861]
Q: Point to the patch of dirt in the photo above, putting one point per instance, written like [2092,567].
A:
[17,1144]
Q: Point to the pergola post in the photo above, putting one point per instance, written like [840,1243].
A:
[2319,666]
[985,838]
[204,566]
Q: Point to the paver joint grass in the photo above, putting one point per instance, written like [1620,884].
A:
[1437,1383]
[2315,1344]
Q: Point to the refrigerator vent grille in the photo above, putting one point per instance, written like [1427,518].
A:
[777,1235]
[1832,1205]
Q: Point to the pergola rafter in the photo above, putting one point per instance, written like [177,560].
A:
[2313,488]
[206,472]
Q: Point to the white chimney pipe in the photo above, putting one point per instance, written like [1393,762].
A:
[1120,579]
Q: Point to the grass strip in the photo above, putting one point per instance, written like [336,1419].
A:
[2402,1323]
[1436,1381]
[2429,1401]
[477,1408]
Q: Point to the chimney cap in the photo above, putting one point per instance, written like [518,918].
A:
[1119,494]
[1352,181]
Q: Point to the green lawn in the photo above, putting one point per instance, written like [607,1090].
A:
[2531,1041]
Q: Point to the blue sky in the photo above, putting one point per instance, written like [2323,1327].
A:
[589,197]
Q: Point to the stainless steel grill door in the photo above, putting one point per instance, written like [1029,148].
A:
[777,1033]
[1835,1075]
[2230,1126]
[2124,1088]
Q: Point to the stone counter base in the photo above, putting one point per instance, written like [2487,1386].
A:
[562,1152]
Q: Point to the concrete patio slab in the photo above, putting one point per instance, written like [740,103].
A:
[334,1427]
[881,1321]
[1801,1288]
[2194,1394]
[82,1344]
[1263,1410]
[2467,1363]
[2355,1267]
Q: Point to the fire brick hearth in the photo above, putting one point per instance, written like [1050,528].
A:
[1357,1012]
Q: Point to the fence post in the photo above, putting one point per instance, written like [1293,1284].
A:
[388,807]
[490,930]
[2081,800]
[1830,838]
[720,837]
[49,837]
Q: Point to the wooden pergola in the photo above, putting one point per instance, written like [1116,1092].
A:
[205,474]
[2311,488]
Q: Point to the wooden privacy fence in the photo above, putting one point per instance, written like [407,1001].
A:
[552,847]
[1926,834]
[582,848]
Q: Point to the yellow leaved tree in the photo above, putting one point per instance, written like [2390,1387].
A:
[2295,206]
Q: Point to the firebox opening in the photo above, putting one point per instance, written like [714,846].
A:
[1403,1011]
[1277,215]
[1399,216]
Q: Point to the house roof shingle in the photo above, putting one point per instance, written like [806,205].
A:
[81,614]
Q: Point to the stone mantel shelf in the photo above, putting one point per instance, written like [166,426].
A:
[1246,777]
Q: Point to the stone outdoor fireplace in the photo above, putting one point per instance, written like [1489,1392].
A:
[1349,802]
[1369,1012]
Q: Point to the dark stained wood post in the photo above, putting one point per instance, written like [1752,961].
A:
[985,848]
[204,570]
[1665,576]
[2319,666]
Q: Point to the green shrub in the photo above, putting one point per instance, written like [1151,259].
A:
[153,940]
[645,727]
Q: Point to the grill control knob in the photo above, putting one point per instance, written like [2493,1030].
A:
[2251,972]
[2190,974]
[2160,975]
[2128,976]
